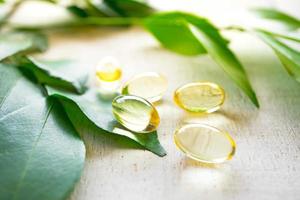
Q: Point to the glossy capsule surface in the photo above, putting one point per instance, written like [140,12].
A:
[150,86]
[135,113]
[204,143]
[108,69]
[202,97]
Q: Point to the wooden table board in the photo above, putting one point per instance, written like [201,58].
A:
[267,161]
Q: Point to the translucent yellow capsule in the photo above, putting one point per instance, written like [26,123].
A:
[108,69]
[135,113]
[204,97]
[150,86]
[205,143]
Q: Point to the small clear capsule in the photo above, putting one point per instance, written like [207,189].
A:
[108,70]
[203,97]
[204,143]
[135,113]
[149,85]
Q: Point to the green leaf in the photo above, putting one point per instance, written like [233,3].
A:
[192,35]
[173,32]
[91,108]
[41,155]
[287,36]
[77,11]
[95,9]
[62,73]
[290,58]
[12,43]
[130,8]
[111,8]
[89,9]
[84,8]
[289,21]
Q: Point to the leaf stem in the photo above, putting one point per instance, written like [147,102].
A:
[11,12]
[233,27]
[288,37]
[108,21]
[90,21]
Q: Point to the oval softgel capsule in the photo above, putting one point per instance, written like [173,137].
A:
[149,85]
[204,143]
[108,70]
[202,97]
[135,113]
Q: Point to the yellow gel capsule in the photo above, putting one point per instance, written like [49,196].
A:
[150,86]
[205,143]
[108,70]
[135,113]
[203,97]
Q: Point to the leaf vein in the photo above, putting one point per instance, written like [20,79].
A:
[8,93]
[31,154]
[13,112]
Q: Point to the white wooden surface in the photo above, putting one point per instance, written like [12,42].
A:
[267,161]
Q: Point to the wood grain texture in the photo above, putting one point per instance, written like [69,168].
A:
[267,162]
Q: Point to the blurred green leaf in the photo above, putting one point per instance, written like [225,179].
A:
[130,8]
[102,8]
[61,73]
[289,21]
[93,109]
[88,9]
[12,43]
[290,58]
[77,11]
[192,35]
[41,155]
[110,8]
[287,36]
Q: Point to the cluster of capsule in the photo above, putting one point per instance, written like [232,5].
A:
[135,110]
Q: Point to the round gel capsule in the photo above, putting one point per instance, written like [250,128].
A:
[108,69]
[150,86]
[135,113]
[203,97]
[205,143]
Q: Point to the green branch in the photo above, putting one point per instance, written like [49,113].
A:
[80,22]
[11,12]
